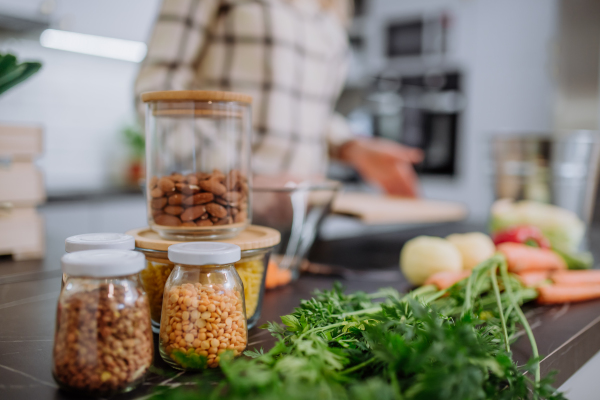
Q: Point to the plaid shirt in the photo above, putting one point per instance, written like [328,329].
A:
[291,57]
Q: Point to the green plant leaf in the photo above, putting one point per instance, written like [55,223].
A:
[12,73]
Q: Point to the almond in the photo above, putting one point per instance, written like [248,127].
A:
[177,178]
[204,222]
[189,223]
[232,197]
[165,184]
[198,198]
[218,175]
[193,213]
[232,179]
[173,210]
[156,192]
[216,210]
[167,220]
[224,221]
[202,176]
[242,216]
[153,182]
[187,189]
[221,201]
[213,186]
[192,179]
[176,199]
[244,188]
[158,203]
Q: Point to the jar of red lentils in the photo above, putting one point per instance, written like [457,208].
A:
[204,314]
[103,340]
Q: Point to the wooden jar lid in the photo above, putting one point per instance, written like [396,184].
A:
[195,95]
[252,238]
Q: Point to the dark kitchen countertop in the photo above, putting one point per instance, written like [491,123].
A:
[567,335]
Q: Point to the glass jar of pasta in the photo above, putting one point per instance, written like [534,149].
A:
[256,243]
[203,312]
[198,147]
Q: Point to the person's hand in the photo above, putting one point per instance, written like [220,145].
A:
[385,163]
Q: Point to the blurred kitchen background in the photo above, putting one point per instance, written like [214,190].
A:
[442,75]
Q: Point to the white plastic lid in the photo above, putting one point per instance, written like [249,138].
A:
[103,263]
[97,241]
[204,253]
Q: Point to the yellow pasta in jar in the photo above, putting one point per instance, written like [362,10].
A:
[156,274]
[251,272]
[154,278]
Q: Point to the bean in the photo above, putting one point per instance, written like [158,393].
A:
[87,354]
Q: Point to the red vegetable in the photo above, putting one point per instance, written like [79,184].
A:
[522,234]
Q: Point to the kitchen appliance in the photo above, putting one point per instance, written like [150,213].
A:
[560,169]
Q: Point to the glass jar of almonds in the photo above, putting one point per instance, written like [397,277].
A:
[204,313]
[198,148]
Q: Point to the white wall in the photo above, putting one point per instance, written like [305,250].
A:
[505,49]
[82,101]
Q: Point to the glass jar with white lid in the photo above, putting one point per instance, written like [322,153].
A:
[256,243]
[204,313]
[103,338]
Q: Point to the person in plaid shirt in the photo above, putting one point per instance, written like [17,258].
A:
[291,56]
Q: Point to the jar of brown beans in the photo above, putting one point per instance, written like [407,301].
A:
[103,340]
[204,314]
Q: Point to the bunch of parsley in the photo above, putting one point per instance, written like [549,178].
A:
[428,344]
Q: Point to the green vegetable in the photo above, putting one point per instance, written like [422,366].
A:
[561,227]
[191,361]
[13,73]
[428,344]
[583,260]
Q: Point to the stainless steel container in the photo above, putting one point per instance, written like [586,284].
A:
[559,169]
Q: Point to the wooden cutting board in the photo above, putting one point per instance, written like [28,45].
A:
[380,209]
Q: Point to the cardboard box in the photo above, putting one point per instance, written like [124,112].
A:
[21,184]
[21,233]
[20,142]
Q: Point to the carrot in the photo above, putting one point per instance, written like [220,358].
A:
[533,278]
[558,294]
[276,277]
[521,257]
[285,276]
[272,279]
[577,277]
[444,280]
